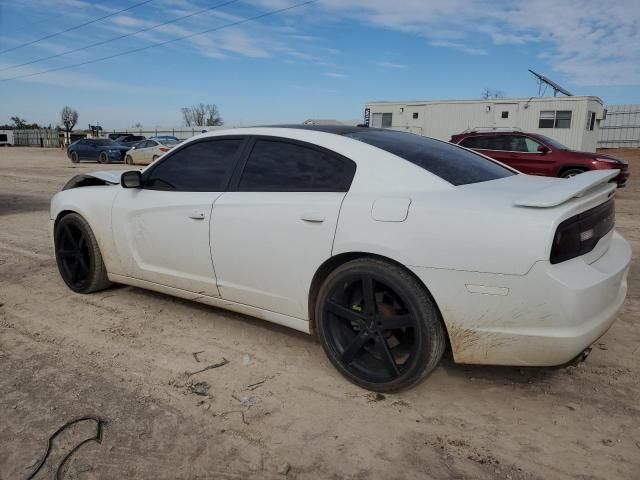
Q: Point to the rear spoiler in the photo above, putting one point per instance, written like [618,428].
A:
[565,190]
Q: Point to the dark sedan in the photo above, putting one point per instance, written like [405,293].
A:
[101,150]
[129,140]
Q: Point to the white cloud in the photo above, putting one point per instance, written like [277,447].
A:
[459,46]
[389,65]
[591,42]
[334,75]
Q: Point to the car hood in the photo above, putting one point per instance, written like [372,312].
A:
[593,155]
[111,177]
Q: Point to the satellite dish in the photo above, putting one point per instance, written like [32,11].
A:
[544,81]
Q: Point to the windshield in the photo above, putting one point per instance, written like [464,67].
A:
[454,164]
[552,143]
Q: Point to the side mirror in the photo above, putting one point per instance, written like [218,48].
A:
[543,149]
[131,179]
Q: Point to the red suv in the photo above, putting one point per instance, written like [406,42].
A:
[539,155]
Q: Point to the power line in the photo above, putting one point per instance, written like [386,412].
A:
[46,37]
[159,44]
[86,47]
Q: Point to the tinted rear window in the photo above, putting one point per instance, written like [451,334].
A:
[276,166]
[449,162]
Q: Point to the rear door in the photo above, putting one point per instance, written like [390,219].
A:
[162,230]
[493,146]
[271,234]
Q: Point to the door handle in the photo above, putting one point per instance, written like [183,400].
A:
[312,217]
[195,215]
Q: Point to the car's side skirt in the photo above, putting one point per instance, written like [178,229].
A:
[285,320]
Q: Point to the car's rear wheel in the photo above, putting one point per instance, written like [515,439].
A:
[74,157]
[571,172]
[378,325]
[104,158]
[128,160]
[78,255]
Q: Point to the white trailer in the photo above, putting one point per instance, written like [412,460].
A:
[573,121]
[6,138]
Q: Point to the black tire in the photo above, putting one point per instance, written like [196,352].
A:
[155,157]
[571,172]
[78,256]
[104,158]
[128,160]
[74,157]
[376,350]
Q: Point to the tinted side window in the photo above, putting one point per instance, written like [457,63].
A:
[518,143]
[275,166]
[199,167]
[449,162]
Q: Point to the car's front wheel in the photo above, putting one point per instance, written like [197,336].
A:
[74,157]
[128,160]
[572,172]
[78,255]
[104,158]
[378,325]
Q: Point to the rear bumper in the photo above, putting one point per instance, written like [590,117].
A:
[543,318]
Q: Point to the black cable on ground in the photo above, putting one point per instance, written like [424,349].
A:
[98,438]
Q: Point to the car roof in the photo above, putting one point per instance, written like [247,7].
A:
[335,129]
[495,132]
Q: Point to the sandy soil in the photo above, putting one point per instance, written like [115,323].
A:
[123,354]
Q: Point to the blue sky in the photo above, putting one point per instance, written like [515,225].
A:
[323,60]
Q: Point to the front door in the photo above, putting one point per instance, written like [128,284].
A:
[162,230]
[524,156]
[270,235]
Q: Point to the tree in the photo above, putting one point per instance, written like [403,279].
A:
[19,122]
[69,118]
[488,93]
[202,115]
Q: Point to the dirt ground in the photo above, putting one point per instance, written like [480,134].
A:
[277,409]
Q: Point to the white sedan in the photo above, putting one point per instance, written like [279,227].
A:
[386,245]
[148,151]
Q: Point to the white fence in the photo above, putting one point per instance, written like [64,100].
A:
[621,128]
[45,137]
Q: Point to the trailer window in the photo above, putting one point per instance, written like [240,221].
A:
[454,164]
[591,120]
[3,137]
[555,119]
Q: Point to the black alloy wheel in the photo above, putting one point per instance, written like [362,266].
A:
[74,157]
[378,325]
[78,256]
[104,158]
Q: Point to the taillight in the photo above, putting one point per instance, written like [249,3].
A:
[580,234]
[164,149]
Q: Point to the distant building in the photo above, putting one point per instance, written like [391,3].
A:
[573,121]
[6,137]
